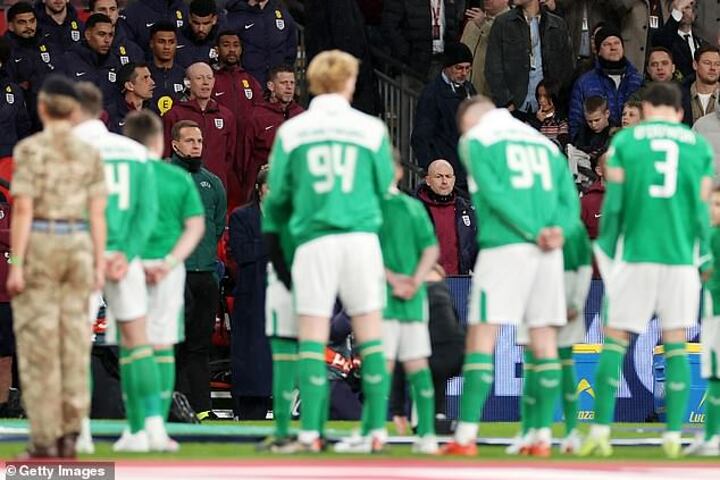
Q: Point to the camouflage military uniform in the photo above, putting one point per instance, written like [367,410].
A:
[60,173]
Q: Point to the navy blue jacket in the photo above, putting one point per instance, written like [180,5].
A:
[169,87]
[82,64]
[117,111]
[191,50]
[435,134]
[268,36]
[60,37]
[597,82]
[250,349]
[124,48]
[14,118]
[138,17]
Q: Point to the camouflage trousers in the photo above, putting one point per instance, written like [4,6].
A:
[53,334]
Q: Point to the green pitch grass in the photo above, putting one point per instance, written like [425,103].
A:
[239,451]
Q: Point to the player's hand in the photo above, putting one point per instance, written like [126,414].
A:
[404,287]
[117,267]
[706,274]
[401,424]
[156,273]
[476,15]
[550,238]
[15,281]
[572,314]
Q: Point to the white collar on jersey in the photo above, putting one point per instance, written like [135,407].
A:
[90,128]
[329,101]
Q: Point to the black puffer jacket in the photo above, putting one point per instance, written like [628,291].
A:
[407,27]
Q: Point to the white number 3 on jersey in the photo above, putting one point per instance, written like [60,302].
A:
[668,167]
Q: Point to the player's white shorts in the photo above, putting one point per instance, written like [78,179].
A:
[516,284]
[280,319]
[347,265]
[166,307]
[710,341]
[127,299]
[405,341]
[636,291]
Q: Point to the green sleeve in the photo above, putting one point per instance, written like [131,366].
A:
[703,220]
[568,211]
[384,170]
[278,202]
[484,182]
[424,231]
[145,214]
[612,209]
[193,206]
[220,209]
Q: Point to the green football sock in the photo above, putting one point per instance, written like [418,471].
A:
[712,409]
[569,388]
[547,375]
[133,407]
[528,401]
[284,355]
[607,379]
[677,385]
[374,383]
[165,361]
[478,372]
[424,397]
[313,385]
[146,379]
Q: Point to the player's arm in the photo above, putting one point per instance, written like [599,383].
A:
[568,211]
[98,223]
[485,181]
[705,262]
[145,212]
[24,190]
[384,170]
[613,204]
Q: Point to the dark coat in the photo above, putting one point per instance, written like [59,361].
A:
[60,37]
[138,17]
[268,36]
[669,38]
[507,63]
[191,50]
[82,64]
[14,118]
[250,349]
[435,133]
[407,28]
[169,87]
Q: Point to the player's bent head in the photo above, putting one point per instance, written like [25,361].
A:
[90,98]
[333,71]
[471,110]
[145,127]
[58,99]
[662,97]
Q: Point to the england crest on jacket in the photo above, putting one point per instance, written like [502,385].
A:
[279,22]
[44,54]
[124,59]
[75,31]
[246,88]
[219,123]
[9,95]
[179,22]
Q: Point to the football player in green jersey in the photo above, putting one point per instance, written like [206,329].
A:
[179,227]
[654,222]
[330,170]
[525,198]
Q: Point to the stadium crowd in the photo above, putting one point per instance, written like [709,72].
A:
[574,70]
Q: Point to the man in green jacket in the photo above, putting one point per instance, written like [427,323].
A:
[201,286]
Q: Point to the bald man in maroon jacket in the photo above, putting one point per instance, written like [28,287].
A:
[267,116]
[216,122]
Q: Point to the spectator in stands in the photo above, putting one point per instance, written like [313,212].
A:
[266,117]
[91,61]
[476,35]
[631,114]
[202,293]
[639,21]
[709,127]
[250,351]
[581,16]
[31,58]
[198,38]
[7,336]
[453,218]
[613,77]
[59,23]
[168,75]
[527,45]
[141,16]
[268,34]
[126,50]
[677,35]
[435,134]
[591,201]
[136,90]
[340,25]
[217,123]
[14,118]
[660,65]
[595,134]
[707,20]
[700,96]
[417,32]
[548,120]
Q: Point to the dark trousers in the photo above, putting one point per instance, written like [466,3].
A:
[202,295]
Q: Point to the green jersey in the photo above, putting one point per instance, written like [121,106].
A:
[577,251]
[519,181]
[132,205]
[180,200]
[713,285]
[331,167]
[405,234]
[654,212]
